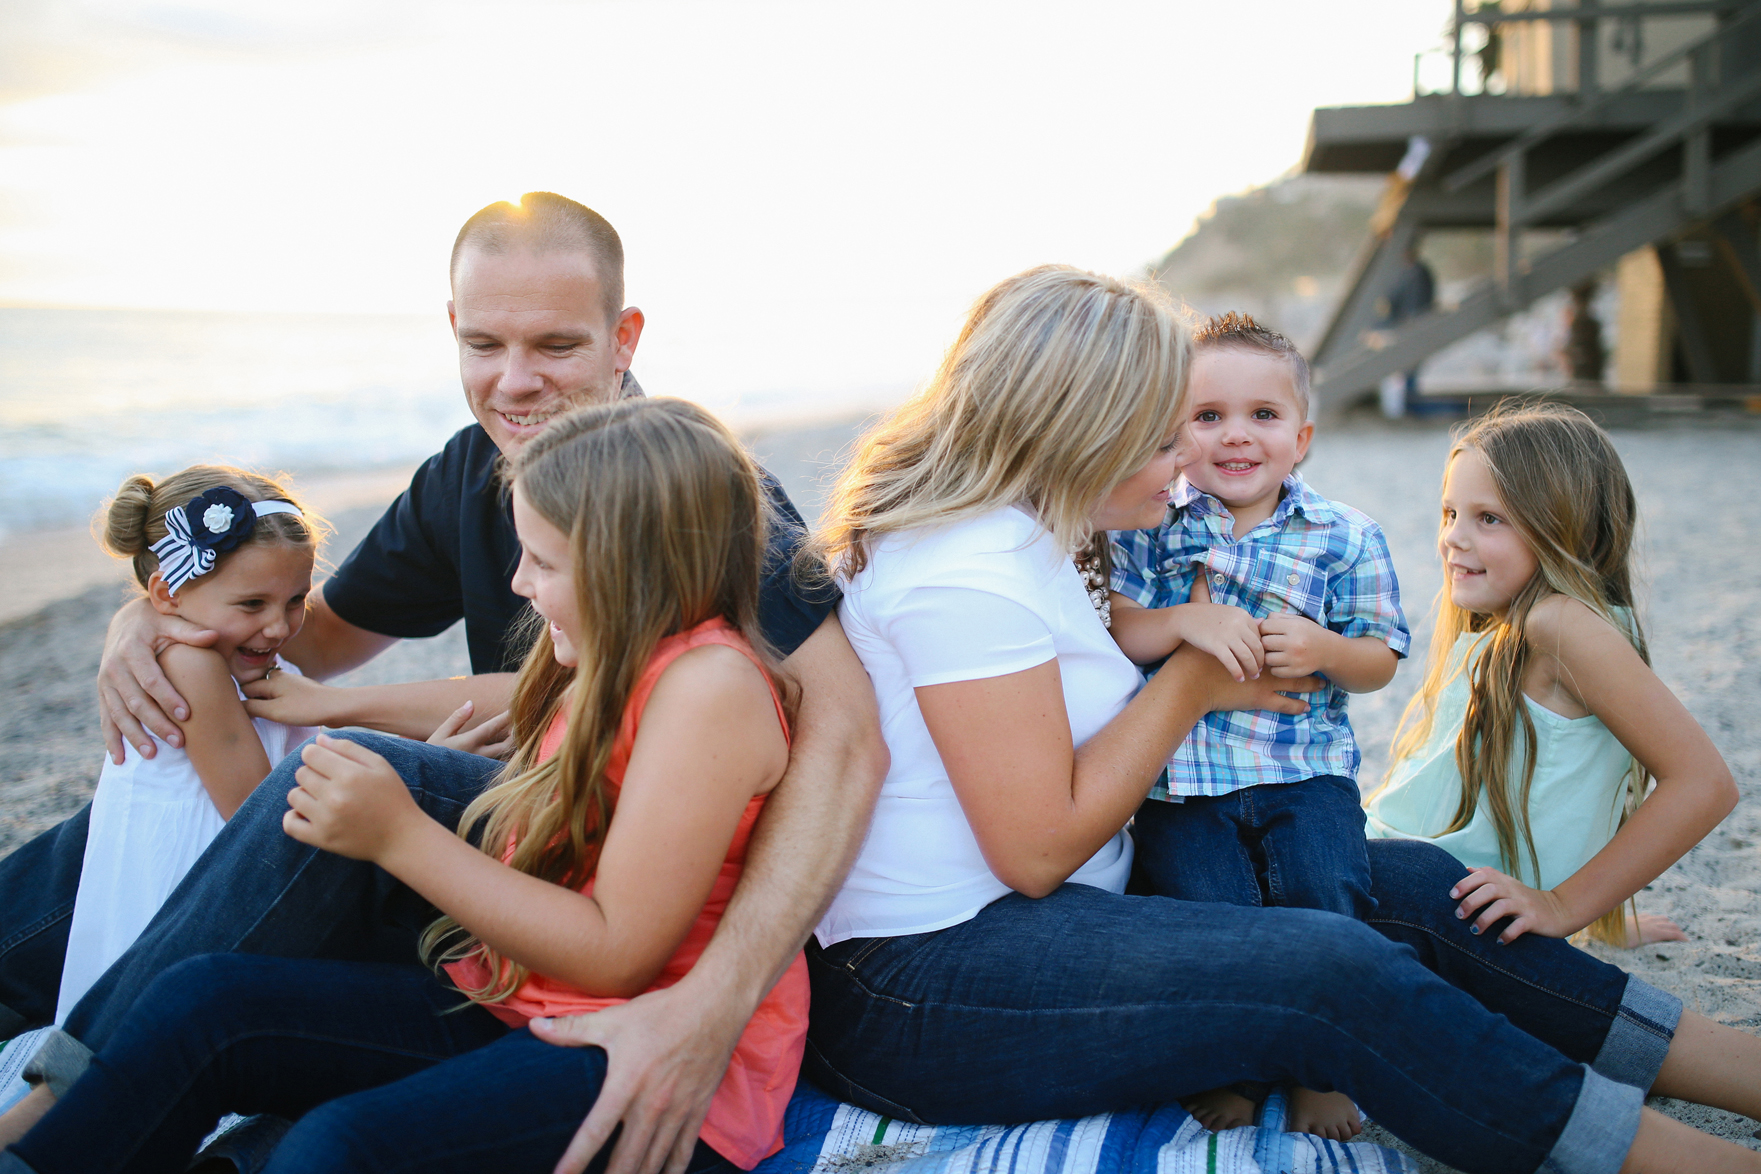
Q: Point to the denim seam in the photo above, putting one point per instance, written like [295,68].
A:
[1489,965]
[902,1112]
[862,955]
[36,927]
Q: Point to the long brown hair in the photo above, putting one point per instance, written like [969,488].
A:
[666,523]
[1565,490]
[1061,384]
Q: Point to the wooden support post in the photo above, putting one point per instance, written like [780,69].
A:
[1697,145]
[1690,327]
[1744,255]
[1507,230]
[1589,49]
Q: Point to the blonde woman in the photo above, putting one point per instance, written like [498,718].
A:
[981,963]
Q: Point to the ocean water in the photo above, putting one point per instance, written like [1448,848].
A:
[88,397]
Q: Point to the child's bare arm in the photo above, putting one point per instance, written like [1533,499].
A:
[413,709]
[218,736]
[710,721]
[1230,634]
[1598,666]
[1296,646]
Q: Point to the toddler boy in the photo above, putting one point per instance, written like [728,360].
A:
[1263,573]
[1254,567]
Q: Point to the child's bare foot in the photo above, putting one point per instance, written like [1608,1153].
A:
[17,1121]
[1325,1114]
[1220,1109]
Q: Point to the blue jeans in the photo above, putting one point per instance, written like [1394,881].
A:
[1487,1058]
[1296,845]
[38,883]
[380,1065]
[257,891]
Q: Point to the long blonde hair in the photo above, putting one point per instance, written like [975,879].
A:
[1061,384]
[666,523]
[1565,490]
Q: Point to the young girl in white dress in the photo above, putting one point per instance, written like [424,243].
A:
[1527,750]
[231,552]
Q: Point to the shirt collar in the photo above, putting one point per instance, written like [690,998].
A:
[1298,498]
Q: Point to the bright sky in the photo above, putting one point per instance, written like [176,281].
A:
[809,193]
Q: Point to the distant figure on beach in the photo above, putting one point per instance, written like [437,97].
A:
[230,552]
[1530,749]
[1257,569]
[1583,356]
[1412,294]
[651,731]
[538,314]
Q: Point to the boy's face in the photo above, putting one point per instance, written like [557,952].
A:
[1244,429]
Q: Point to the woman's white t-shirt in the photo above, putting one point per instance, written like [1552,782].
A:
[982,597]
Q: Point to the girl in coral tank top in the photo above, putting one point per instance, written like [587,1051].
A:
[650,728]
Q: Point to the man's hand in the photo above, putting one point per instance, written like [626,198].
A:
[1488,896]
[349,801]
[493,739]
[292,700]
[667,1052]
[132,691]
[1227,633]
[1296,646]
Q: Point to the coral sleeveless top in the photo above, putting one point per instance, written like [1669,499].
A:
[745,1121]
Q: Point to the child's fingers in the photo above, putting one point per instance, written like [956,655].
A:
[1495,912]
[453,723]
[351,751]
[1515,930]
[297,826]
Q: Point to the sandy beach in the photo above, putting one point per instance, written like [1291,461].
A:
[1696,481]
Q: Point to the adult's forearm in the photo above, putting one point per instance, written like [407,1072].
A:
[328,645]
[812,825]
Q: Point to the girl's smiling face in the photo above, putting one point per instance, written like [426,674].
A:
[546,576]
[1484,558]
[255,599]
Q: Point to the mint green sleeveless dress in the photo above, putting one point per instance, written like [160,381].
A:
[1574,803]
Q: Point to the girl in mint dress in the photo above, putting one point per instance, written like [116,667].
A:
[1531,749]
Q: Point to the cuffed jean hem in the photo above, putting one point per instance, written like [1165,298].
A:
[11,1022]
[60,1062]
[1640,1036]
[1599,1131]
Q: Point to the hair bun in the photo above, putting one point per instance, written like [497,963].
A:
[125,522]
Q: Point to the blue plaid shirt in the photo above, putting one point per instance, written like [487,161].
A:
[1312,556]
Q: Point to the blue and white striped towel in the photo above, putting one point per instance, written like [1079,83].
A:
[823,1136]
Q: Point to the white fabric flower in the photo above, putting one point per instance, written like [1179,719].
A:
[218,518]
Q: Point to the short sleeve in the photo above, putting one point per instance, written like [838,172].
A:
[400,580]
[1364,599]
[1134,554]
[945,634]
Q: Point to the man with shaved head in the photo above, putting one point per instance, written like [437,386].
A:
[538,313]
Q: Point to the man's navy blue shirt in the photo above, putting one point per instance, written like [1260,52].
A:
[446,550]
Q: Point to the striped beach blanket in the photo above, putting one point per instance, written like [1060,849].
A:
[824,1136]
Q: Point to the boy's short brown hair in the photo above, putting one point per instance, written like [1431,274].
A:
[1243,333]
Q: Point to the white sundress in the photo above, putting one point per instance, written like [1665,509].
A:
[151,818]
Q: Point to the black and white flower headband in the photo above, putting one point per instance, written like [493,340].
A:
[206,527]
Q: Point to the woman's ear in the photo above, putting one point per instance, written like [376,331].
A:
[160,596]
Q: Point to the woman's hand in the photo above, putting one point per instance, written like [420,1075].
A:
[1489,896]
[292,700]
[1227,633]
[493,739]
[349,801]
[1221,690]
